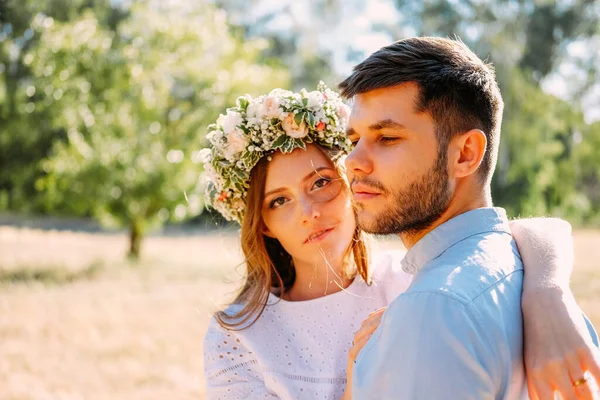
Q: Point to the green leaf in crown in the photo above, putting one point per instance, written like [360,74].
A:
[311,120]
[280,142]
[298,118]
[292,144]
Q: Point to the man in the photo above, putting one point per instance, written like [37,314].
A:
[426,126]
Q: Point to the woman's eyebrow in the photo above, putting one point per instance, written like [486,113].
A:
[307,177]
[314,172]
[270,192]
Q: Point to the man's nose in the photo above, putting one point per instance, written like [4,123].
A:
[358,162]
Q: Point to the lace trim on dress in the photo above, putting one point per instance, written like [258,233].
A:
[231,368]
[309,379]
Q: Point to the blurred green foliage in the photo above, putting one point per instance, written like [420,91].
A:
[104,103]
[124,108]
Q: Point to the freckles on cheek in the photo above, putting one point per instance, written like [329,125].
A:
[341,207]
[279,221]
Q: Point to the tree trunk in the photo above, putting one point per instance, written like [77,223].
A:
[135,239]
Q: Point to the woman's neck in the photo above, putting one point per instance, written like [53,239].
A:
[317,280]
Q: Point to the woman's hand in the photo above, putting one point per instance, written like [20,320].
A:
[361,337]
[558,348]
[557,344]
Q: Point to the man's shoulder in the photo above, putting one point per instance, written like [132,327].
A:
[471,268]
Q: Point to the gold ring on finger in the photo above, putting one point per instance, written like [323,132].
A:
[580,381]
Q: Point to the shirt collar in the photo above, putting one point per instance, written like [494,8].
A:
[453,231]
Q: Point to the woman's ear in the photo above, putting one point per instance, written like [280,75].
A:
[468,150]
[268,233]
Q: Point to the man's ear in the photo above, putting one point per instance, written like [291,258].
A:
[466,152]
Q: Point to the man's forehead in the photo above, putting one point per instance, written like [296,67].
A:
[407,90]
[392,103]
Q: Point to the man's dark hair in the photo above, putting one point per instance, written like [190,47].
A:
[456,88]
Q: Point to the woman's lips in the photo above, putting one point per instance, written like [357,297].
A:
[318,235]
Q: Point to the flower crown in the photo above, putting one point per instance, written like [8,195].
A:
[280,121]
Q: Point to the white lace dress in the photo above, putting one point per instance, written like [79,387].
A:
[298,350]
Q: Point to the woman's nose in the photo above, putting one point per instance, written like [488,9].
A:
[310,210]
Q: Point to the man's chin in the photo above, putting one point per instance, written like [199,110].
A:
[369,222]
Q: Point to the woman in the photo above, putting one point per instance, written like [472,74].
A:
[274,167]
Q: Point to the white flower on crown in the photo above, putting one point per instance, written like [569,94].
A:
[236,143]
[280,93]
[252,110]
[271,107]
[211,174]
[215,137]
[238,204]
[231,121]
[291,128]
[204,156]
[315,100]
[210,136]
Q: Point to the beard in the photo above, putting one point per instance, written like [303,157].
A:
[414,208]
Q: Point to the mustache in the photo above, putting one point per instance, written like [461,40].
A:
[370,183]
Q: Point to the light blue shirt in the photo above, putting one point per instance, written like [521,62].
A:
[457,332]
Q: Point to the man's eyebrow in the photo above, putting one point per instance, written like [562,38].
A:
[386,123]
[377,126]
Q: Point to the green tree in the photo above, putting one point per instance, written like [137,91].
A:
[26,136]
[587,158]
[537,168]
[134,103]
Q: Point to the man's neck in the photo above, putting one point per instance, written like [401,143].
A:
[456,207]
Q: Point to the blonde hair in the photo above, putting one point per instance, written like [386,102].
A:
[268,264]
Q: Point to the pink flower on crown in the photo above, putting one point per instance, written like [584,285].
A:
[291,128]
[270,107]
[344,112]
[236,143]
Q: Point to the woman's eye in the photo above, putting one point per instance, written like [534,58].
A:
[387,139]
[277,202]
[321,183]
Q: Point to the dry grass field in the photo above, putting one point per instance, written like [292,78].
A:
[77,322]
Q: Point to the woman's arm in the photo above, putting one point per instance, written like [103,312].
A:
[557,344]
[546,247]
